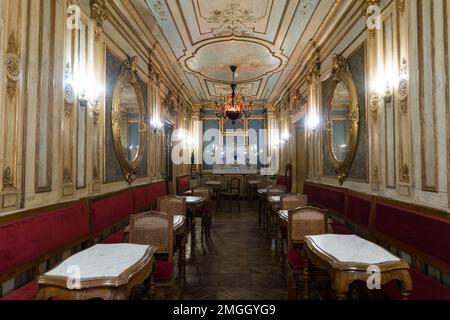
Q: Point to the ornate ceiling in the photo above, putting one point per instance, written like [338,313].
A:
[261,37]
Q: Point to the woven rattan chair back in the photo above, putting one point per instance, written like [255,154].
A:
[305,221]
[202,191]
[293,201]
[155,229]
[276,190]
[173,205]
[264,184]
[235,186]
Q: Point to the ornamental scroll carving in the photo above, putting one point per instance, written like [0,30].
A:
[12,63]
[403,87]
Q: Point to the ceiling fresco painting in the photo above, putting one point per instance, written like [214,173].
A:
[261,37]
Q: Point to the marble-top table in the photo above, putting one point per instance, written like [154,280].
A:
[107,271]
[274,199]
[213,183]
[262,192]
[349,258]
[192,201]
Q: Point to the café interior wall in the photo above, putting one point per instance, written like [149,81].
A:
[45,158]
[407,119]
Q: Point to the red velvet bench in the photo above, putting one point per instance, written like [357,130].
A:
[113,211]
[110,212]
[28,239]
[425,236]
[330,198]
[183,184]
[146,197]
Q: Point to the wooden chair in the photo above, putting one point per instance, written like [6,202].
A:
[289,201]
[261,219]
[304,221]
[156,229]
[206,212]
[233,193]
[274,190]
[173,205]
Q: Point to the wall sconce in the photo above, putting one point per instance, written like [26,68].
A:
[313,122]
[387,97]
[285,138]
[156,125]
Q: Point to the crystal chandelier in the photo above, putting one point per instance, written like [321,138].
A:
[233,106]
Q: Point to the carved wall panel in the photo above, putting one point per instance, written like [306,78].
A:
[11,114]
[428,79]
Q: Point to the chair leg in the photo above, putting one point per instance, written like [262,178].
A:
[292,292]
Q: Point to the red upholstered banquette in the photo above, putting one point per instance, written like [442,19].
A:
[183,184]
[113,211]
[330,198]
[29,239]
[421,232]
[424,236]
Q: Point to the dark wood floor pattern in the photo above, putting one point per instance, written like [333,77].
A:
[236,264]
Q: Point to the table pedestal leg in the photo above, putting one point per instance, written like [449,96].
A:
[182,259]
[306,278]
[405,292]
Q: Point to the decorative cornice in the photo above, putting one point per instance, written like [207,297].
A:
[98,13]
[401,6]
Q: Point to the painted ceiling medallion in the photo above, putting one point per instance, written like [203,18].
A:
[254,60]
[232,20]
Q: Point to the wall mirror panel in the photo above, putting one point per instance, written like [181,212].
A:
[128,121]
[342,123]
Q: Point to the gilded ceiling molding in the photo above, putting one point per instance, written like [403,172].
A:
[233,20]
[169,104]
[98,13]
[401,6]
[12,63]
[8,178]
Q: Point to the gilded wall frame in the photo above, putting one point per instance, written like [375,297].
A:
[341,72]
[128,75]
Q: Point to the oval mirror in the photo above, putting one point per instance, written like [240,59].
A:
[342,125]
[128,120]
[340,107]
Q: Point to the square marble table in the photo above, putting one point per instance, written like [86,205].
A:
[106,271]
[349,258]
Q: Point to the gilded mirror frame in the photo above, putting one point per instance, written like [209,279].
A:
[128,76]
[341,73]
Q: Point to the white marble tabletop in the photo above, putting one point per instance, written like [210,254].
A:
[213,183]
[284,214]
[194,200]
[178,221]
[275,199]
[352,249]
[101,261]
